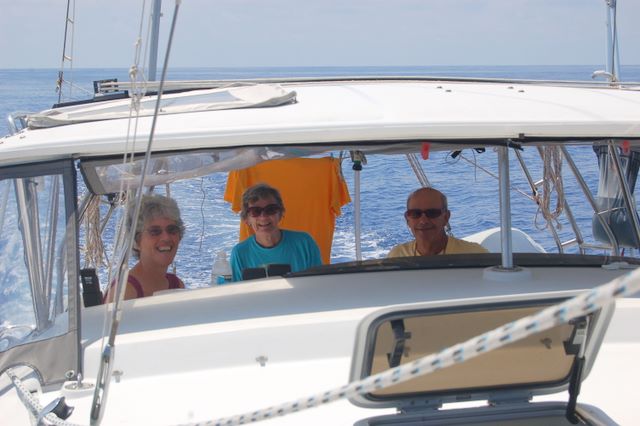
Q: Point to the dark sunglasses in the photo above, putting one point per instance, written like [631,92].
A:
[268,210]
[430,213]
[156,231]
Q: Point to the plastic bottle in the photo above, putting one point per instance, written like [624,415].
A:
[221,271]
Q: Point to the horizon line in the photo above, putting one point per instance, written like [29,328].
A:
[324,66]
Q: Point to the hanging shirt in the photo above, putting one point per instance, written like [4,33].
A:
[295,248]
[312,189]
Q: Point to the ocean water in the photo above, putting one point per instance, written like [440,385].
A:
[385,180]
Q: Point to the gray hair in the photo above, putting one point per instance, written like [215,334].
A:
[261,191]
[445,204]
[154,206]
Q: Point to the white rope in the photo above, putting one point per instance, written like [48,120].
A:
[94,247]
[552,182]
[31,402]
[580,305]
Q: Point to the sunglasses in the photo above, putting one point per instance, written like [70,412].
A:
[417,213]
[268,210]
[156,231]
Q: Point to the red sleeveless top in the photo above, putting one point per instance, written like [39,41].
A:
[174,282]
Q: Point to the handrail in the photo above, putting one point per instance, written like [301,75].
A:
[11,121]
[104,87]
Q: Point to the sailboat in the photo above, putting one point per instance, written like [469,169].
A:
[342,343]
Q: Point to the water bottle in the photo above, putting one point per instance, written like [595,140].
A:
[221,271]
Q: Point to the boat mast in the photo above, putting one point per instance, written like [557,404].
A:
[613,54]
[155,32]
[67,56]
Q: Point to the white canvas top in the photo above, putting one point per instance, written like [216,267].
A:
[356,111]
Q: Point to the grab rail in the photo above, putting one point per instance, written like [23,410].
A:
[16,118]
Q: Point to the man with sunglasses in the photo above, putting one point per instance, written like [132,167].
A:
[262,210]
[427,217]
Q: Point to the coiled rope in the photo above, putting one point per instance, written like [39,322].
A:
[552,182]
[31,402]
[94,246]
[580,305]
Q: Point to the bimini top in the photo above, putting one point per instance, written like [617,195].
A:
[337,112]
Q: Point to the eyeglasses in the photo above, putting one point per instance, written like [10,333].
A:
[268,210]
[156,231]
[417,213]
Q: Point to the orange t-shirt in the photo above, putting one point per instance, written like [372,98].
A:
[312,189]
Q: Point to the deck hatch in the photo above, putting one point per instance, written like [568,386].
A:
[539,364]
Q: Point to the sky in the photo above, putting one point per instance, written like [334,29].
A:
[273,33]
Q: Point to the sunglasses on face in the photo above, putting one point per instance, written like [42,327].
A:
[268,210]
[156,231]
[417,213]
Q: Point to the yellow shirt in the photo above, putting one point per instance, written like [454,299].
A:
[454,246]
[312,189]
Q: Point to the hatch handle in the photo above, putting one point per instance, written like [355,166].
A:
[576,346]
[400,337]
[58,407]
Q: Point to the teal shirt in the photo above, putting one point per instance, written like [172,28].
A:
[297,249]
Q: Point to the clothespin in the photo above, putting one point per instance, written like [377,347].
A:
[426,147]
[626,147]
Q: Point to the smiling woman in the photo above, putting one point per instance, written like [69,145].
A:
[262,210]
[159,230]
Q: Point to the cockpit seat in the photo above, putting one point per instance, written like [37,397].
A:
[490,239]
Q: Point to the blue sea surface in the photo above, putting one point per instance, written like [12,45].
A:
[385,180]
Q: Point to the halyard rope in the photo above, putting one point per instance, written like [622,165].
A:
[580,305]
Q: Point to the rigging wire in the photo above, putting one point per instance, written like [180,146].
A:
[66,57]
[493,175]
[103,378]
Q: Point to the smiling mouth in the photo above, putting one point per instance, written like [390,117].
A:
[165,249]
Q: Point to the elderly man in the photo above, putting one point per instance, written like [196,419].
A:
[427,216]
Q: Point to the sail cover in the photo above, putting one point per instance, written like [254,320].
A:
[236,96]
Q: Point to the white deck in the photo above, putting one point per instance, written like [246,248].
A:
[195,351]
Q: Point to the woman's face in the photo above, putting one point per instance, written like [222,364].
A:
[158,242]
[263,216]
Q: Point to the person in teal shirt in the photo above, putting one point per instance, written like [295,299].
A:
[262,210]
